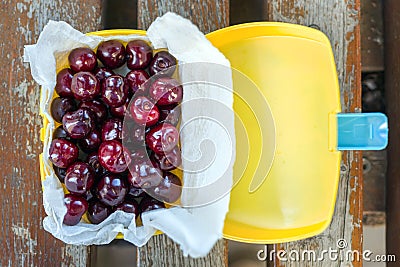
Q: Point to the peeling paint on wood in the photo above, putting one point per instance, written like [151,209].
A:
[23,240]
[339,20]
[75,256]
[24,235]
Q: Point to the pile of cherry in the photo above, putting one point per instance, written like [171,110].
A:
[101,173]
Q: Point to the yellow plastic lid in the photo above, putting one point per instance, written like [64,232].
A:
[294,69]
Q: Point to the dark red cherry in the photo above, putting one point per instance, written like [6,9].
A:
[166,91]
[79,123]
[163,63]
[139,54]
[76,207]
[135,79]
[170,160]
[59,132]
[63,84]
[115,91]
[162,138]
[60,173]
[79,178]
[149,203]
[93,160]
[82,59]
[143,111]
[170,114]
[113,157]
[143,174]
[85,86]
[169,190]
[120,111]
[111,53]
[137,135]
[136,192]
[139,153]
[129,205]
[111,189]
[97,107]
[60,106]
[112,129]
[97,211]
[91,142]
[63,153]
[89,195]
[102,73]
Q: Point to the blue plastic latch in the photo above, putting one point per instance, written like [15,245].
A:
[362,131]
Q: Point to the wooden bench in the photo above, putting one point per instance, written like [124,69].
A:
[25,243]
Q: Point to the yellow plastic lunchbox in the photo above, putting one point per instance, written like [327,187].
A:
[296,142]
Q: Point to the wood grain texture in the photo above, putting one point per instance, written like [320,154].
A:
[208,15]
[392,86]
[22,238]
[339,20]
[162,251]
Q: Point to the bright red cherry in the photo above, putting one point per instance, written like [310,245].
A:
[166,91]
[113,156]
[162,138]
[143,111]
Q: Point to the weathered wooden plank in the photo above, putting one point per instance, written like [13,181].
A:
[372,35]
[392,85]
[339,20]
[208,16]
[22,238]
[162,251]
